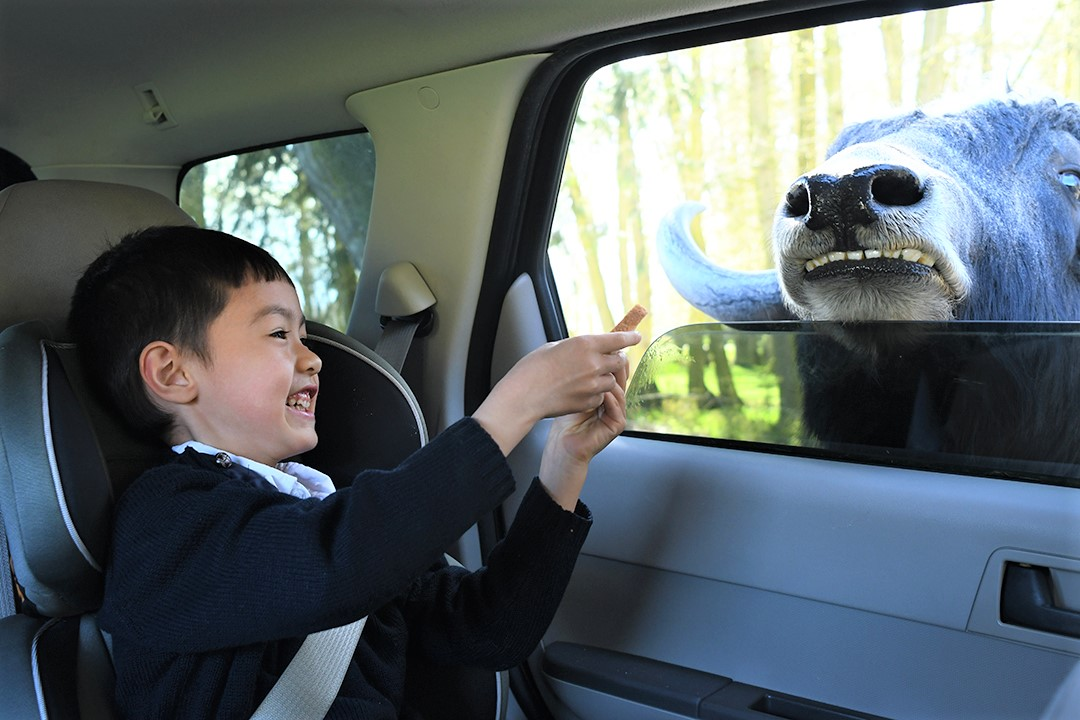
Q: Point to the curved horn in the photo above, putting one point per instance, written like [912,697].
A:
[727,295]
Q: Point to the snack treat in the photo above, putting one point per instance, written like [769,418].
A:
[631,319]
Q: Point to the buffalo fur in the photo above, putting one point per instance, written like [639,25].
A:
[1024,262]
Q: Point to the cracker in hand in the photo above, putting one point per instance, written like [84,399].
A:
[631,320]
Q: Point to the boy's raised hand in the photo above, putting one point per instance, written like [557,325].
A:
[575,439]
[565,377]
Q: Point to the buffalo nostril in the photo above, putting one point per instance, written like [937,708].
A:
[895,187]
[797,201]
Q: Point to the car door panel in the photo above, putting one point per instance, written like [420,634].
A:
[867,588]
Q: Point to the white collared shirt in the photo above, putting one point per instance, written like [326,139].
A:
[291,478]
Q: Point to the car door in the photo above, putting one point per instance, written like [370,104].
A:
[734,571]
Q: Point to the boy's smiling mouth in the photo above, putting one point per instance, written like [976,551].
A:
[302,400]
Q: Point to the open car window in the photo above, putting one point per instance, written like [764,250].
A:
[921,168]
[307,203]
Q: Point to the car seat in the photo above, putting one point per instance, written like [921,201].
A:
[64,457]
[50,230]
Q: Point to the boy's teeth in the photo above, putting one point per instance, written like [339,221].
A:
[299,400]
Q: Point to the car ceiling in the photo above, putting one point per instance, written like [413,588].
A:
[235,74]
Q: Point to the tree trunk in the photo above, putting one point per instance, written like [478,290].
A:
[892,40]
[832,73]
[762,136]
[341,174]
[932,68]
[684,107]
[632,247]
[683,102]
[787,374]
[804,80]
[589,237]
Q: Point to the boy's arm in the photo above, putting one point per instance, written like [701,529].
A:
[494,617]
[196,549]
[560,378]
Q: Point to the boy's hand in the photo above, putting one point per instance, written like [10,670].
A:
[582,435]
[575,439]
[566,377]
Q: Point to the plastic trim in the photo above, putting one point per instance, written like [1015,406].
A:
[43,713]
[54,469]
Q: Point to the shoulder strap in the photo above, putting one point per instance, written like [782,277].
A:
[404,303]
[310,683]
[396,338]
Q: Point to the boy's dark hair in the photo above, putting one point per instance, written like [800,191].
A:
[161,283]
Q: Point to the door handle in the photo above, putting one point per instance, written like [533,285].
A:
[1027,600]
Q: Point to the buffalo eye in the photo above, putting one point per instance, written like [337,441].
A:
[1071,180]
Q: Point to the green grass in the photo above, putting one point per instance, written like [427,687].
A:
[672,409]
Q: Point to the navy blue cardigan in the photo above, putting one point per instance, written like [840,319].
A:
[215,578]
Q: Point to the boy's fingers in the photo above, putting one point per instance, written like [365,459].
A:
[614,341]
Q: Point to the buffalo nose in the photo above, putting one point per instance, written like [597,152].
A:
[828,201]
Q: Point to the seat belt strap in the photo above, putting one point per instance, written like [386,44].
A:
[404,303]
[396,338]
[313,677]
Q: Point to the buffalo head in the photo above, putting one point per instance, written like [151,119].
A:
[967,215]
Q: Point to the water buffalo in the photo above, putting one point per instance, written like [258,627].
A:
[969,215]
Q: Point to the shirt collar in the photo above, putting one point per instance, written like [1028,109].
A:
[291,478]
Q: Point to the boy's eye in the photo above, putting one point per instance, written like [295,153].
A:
[282,334]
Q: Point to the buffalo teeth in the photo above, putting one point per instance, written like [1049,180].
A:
[909,254]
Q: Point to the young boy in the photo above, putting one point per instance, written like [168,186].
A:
[226,557]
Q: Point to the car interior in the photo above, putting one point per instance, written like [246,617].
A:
[787,537]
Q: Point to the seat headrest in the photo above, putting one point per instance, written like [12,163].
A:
[64,457]
[50,230]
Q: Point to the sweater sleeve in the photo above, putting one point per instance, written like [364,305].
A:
[195,549]
[494,617]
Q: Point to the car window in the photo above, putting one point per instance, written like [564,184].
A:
[702,183]
[307,203]
[967,397]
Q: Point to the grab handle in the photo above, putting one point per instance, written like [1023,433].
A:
[1027,600]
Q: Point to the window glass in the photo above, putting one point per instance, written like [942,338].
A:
[720,182]
[969,397]
[307,203]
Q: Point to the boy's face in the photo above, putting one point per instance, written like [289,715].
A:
[256,395]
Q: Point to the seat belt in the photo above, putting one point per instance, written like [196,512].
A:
[310,683]
[404,303]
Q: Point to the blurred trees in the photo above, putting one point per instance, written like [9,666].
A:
[307,203]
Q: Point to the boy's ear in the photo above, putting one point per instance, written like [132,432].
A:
[164,371]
